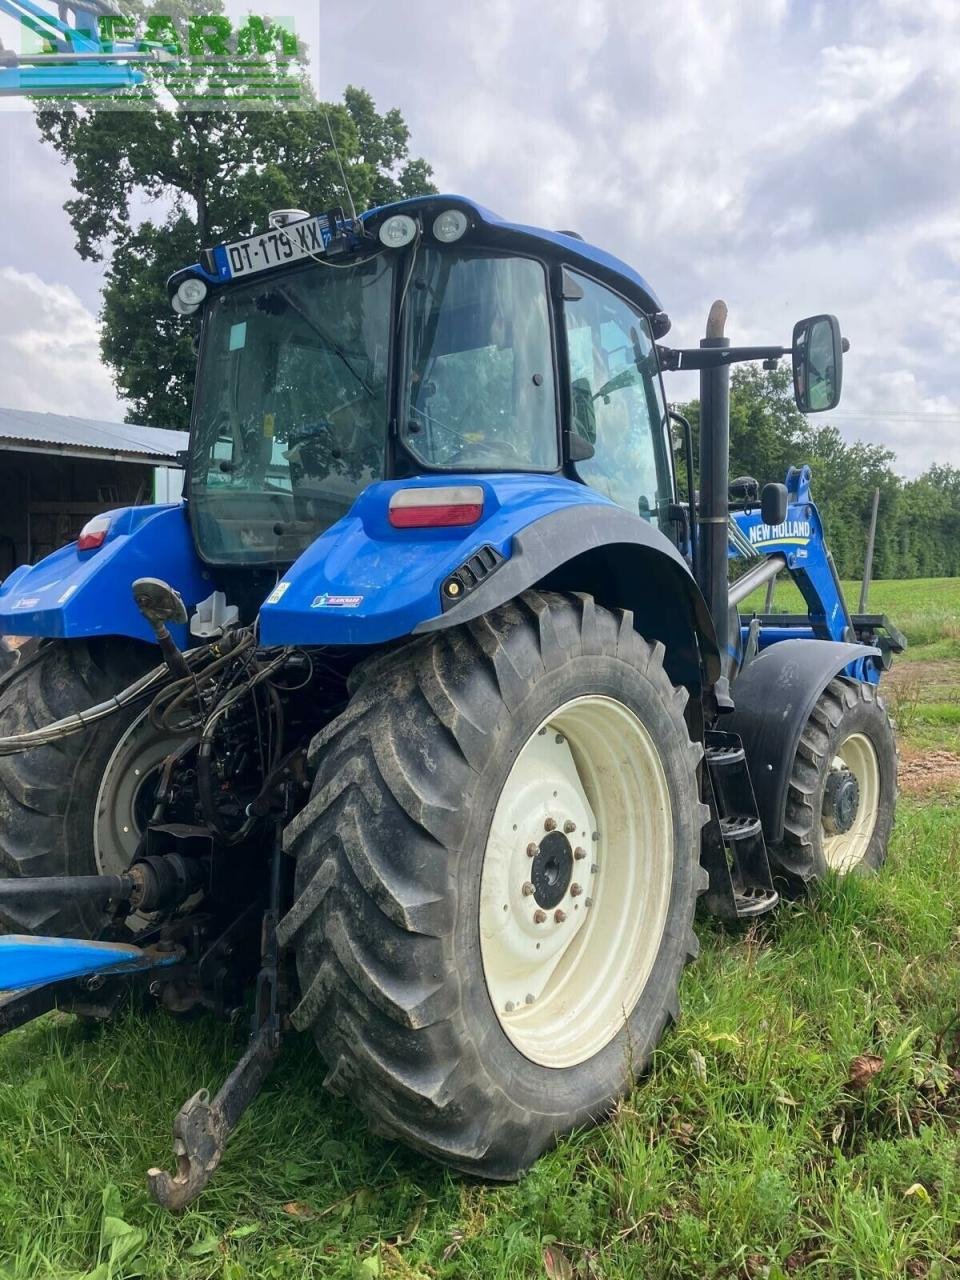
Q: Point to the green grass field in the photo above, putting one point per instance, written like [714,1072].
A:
[803,1119]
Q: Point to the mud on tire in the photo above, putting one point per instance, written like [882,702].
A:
[389,856]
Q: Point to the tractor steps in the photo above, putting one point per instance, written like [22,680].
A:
[733,849]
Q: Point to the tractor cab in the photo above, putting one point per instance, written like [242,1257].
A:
[419,343]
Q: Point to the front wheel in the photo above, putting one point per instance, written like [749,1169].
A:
[496,879]
[842,791]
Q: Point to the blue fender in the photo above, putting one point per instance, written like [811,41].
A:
[75,593]
[365,582]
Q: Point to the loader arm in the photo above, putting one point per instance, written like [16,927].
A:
[798,543]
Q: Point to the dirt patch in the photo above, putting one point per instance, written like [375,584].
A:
[925,772]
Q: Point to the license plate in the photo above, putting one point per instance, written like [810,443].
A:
[276,247]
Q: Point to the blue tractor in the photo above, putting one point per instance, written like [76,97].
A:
[427,716]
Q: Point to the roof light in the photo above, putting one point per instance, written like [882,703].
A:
[93,533]
[449,225]
[397,231]
[285,217]
[190,293]
[437,507]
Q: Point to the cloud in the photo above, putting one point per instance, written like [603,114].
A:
[792,156]
[49,350]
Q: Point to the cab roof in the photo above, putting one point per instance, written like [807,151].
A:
[573,250]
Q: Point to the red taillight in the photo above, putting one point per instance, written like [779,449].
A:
[93,533]
[438,507]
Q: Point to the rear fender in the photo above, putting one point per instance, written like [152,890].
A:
[364,582]
[75,593]
[774,695]
[624,562]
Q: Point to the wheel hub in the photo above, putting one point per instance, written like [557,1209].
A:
[552,870]
[841,801]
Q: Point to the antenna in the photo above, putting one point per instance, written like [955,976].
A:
[343,176]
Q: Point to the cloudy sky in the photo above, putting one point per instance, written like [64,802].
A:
[789,156]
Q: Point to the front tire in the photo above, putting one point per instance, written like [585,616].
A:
[842,791]
[453,794]
[59,815]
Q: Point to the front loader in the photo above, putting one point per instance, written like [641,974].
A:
[424,720]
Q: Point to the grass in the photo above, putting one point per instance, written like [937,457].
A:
[927,610]
[802,1120]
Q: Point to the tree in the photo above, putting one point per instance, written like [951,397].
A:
[207,176]
[918,525]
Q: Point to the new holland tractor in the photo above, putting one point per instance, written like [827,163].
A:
[424,720]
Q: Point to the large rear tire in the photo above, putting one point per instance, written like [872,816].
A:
[61,805]
[496,880]
[842,792]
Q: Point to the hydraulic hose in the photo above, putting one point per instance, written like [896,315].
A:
[80,720]
[160,675]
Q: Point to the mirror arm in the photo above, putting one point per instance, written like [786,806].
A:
[672,358]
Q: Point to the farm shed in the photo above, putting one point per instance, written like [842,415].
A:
[58,471]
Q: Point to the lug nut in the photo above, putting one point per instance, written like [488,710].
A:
[559,737]
[532,849]
[527,889]
[559,916]
[509,1007]
[528,999]
[579,853]
[549,824]
[588,902]
[595,836]
[569,826]
[595,867]
[575,891]
[539,916]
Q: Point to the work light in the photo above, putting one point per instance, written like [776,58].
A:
[449,225]
[190,293]
[397,231]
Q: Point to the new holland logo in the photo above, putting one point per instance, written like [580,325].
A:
[790,531]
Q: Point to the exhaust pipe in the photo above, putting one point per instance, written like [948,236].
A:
[715,482]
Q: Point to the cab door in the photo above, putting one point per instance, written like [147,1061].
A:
[616,401]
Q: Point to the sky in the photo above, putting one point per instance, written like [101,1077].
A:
[789,156]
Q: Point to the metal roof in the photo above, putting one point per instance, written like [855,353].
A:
[26,431]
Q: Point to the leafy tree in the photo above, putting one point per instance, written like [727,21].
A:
[205,176]
[918,525]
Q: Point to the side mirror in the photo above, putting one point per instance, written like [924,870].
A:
[817,363]
[773,504]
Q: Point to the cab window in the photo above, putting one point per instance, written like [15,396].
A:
[616,401]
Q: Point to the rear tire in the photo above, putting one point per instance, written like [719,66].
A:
[833,823]
[49,795]
[401,984]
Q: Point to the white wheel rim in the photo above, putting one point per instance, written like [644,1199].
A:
[843,850]
[564,977]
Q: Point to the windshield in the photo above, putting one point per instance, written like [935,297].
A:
[478,389]
[290,418]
